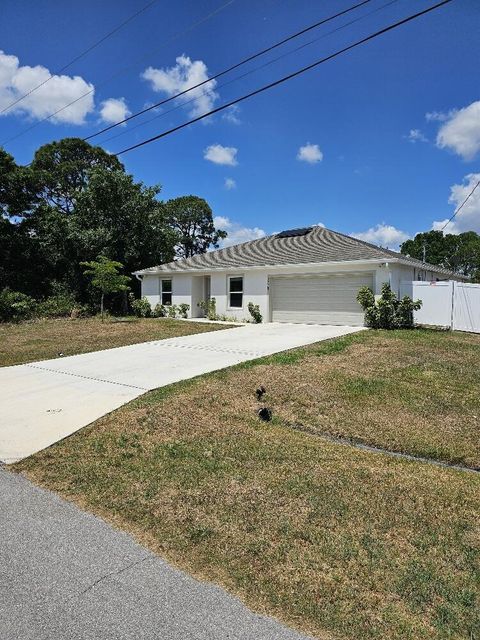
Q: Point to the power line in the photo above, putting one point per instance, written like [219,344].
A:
[80,55]
[285,78]
[249,72]
[177,35]
[461,206]
[235,66]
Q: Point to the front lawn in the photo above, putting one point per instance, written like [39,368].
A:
[44,339]
[339,542]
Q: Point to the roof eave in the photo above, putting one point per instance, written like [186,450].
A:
[367,261]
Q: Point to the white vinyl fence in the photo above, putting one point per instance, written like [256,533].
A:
[451,304]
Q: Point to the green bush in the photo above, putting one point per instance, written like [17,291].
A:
[59,305]
[172,310]
[209,308]
[141,307]
[159,311]
[254,311]
[387,312]
[16,306]
[183,310]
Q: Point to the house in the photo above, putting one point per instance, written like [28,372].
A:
[309,275]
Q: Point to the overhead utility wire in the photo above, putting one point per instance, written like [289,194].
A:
[287,77]
[232,68]
[249,72]
[177,35]
[80,55]
[461,206]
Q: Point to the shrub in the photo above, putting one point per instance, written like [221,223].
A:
[59,305]
[387,312]
[15,306]
[160,311]
[141,307]
[254,310]
[172,310]
[209,308]
[183,310]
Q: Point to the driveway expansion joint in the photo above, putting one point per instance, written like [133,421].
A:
[83,377]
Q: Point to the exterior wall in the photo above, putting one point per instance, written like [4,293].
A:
[151,289]
[190,288]
[181,288]
[398,274]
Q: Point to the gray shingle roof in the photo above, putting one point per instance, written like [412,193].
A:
[317,246]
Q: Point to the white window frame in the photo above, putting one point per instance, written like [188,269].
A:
[242,292]
[162,280]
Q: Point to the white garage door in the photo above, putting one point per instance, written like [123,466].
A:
[329,299]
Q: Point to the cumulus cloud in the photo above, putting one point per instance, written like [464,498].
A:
[219,154]
[230,184]
[460,131]
[415,135]
[17,80]
[310,153]
[232,114]
[236,232]
[185,74]
[113,110]
[384,235]
[468,218]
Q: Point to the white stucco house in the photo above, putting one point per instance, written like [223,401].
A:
[309,275]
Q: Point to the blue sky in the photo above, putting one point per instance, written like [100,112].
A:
[381,142]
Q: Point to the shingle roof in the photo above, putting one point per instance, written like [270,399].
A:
[317,246]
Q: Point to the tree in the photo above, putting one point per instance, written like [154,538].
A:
[61,170]
[16,245]
[123,220]
[459,253]
[104,275]
[192,220]
[16,187]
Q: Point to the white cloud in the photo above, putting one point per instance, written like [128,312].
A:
[114,110]
[232,114]
[230,184]
[219,154]
[468,218]
[236,232]
[16,81]
[460,131]
[182,76]
[384,235]
[415,135]
[436,116]
[310,153]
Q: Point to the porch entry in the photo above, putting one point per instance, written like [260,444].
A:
[201,288]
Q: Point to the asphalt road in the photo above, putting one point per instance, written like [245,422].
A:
[67,575]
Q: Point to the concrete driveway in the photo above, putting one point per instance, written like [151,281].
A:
[66,574]
[43,402]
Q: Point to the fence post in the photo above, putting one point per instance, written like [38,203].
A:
[453,305]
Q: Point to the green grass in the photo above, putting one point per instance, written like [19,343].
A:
[338,542]
[45,339]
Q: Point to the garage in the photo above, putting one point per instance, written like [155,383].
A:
[328,299]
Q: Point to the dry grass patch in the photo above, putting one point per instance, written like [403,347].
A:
[414,392]
[338,542]
[44,339]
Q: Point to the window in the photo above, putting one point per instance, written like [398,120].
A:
[167,292]
[235,292]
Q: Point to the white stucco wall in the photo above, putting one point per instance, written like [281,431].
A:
[190,288]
